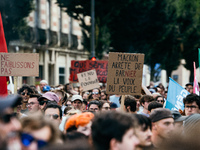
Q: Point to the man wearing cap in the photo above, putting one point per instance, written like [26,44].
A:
[178,121]
[77,101]
[48,96]
[9,125]
[42,84]
[162,125]
[189,87]
[192,104]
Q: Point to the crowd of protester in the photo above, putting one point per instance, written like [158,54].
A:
[68,118]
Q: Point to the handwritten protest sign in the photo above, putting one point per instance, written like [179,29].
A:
[19,64]
[88,80]
[125,73]
[100,66]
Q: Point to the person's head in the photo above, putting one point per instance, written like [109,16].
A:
[68,108]
[61,95]
[96,93]
[192,104]
[25,92]
[85,95]
[105,105]
[137,98]
[42,84]
[143,130]
[189,87]
[153,105]
[160,99]
[130,104]
[77,101]
[103,95]
[9,124]
[33,103]
[53,111]
[162,123]
[47,97]
[145,100]
[178,121]
[94,106]
[80,122]
[114,130]
[37,132]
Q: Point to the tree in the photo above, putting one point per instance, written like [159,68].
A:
[14,17]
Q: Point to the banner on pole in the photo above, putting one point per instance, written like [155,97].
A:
[175,96]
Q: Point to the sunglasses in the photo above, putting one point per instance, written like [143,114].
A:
[42,102]
[55,116]
[30,104]
[23,93]
[160,101]
[7,117]
[27,139]
[95,93]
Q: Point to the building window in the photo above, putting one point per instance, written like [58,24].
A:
[61,75]
[175,77]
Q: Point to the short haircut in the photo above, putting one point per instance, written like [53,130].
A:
[35,95]
[53,105]
[146,98]
[143,121]
[130,101]
[99,104]
[158,97]
[110,125]
[192,98]
[154,105]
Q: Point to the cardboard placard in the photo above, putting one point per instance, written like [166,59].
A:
[19,64]
[124,73]
[88,80]
[101,67]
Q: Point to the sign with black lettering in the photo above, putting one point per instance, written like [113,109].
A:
[124,73]
[19,64]
[88,80]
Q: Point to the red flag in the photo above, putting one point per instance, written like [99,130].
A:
[3,49]
[196,86]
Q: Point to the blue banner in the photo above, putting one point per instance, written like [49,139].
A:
[175,96]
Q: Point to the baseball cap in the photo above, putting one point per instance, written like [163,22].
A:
[77,97]
[177,116]
[50,96]
[43,81]
[46,88]
[159,114]
[10,101]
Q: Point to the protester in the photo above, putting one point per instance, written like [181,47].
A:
[80,122]
[144,101]
[9,124]
[189,87]
[139,108]
[33,103]
[143,131]
[96,93]
[94,106]
[130,104]
[38,132]
[153,105]
[104,95]
[160,99]
[192,104]
[162,125]
[114,131]
[42,84]
[25,92]
[53,111]
[105,105]
[47,97]
[77,101]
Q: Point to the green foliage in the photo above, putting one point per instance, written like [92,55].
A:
[14,15]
